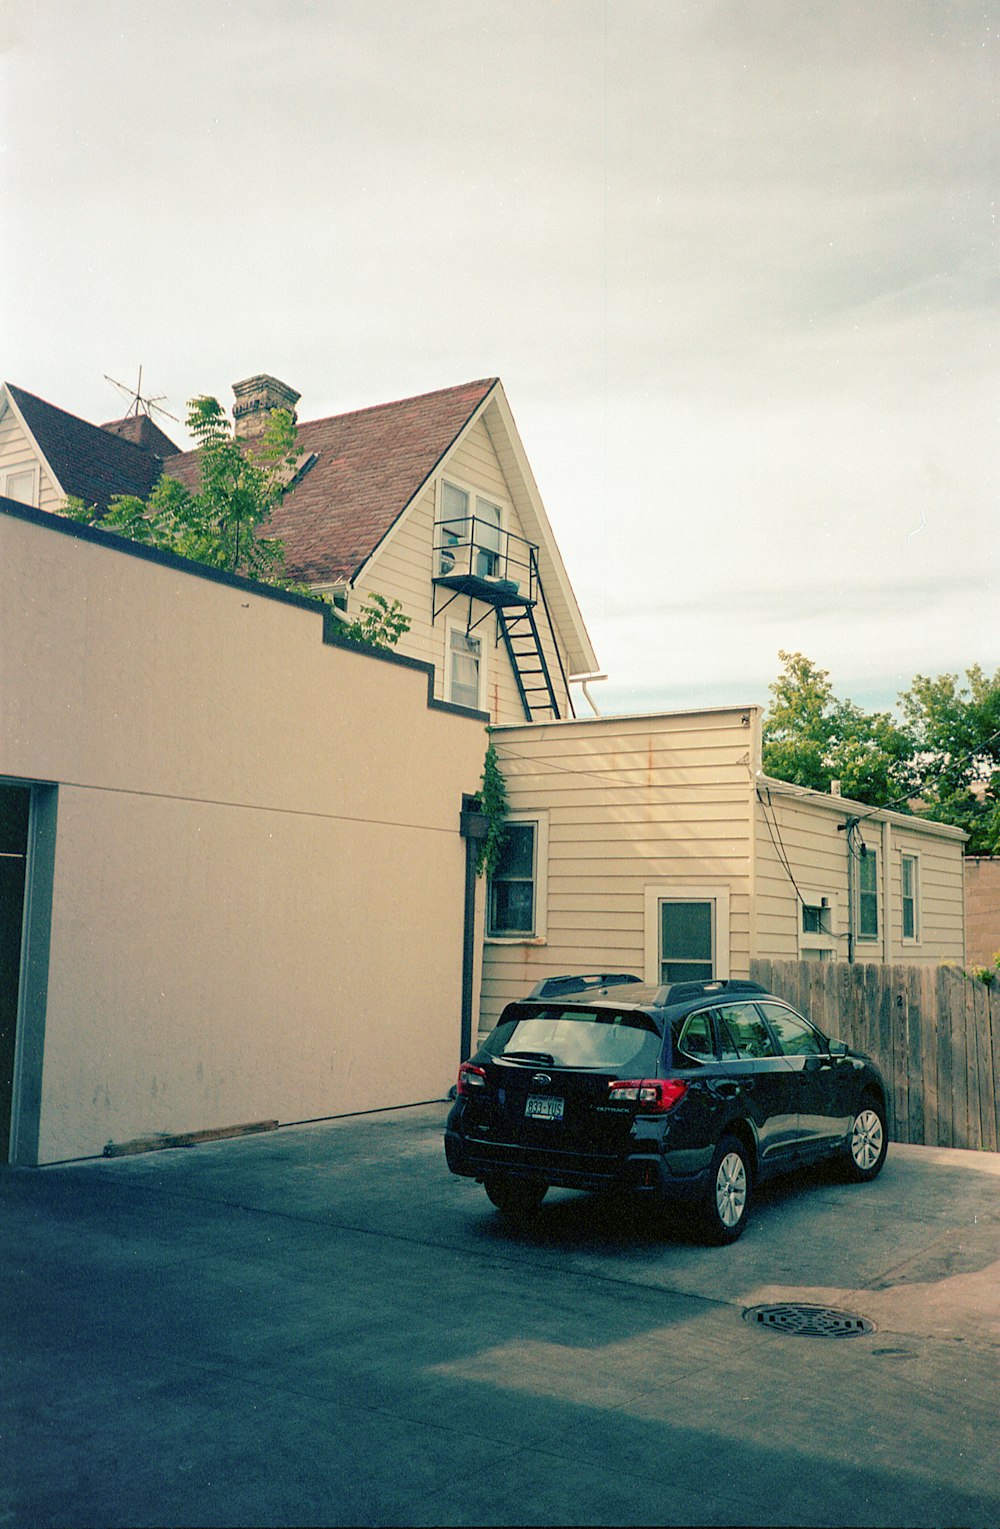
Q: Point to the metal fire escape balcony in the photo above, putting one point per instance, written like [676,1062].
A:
[477,559]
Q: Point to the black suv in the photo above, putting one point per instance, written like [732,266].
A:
[694,1091]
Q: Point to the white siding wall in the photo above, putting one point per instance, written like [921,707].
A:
[630,803]
[942,884]
[17,455]
[808,837]
[404,566]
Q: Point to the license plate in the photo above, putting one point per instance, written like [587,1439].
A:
[542,1107]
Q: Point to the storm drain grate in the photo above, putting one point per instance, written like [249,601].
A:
[804,1321]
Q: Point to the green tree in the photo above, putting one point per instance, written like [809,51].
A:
[812,739]
[219,523]
[380,623]
[957,731]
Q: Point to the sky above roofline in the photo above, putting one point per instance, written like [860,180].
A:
[735,266]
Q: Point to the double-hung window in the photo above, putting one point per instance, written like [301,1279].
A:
[464,672]
[453,528]
[518,886]
[469,533]
[512,884]
[910,895]
[868,893]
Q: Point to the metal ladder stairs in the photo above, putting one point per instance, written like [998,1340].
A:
[527,659]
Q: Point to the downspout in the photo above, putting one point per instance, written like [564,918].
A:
[473,828]
[847,828]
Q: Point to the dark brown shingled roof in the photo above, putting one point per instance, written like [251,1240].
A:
[90,463]
[143,431]
[369,464]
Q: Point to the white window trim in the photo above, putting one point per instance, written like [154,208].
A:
[459,626]
[917,937]
[540,936]
[815,898]
[474,493]
[672,891]
[871,939]
[19,472]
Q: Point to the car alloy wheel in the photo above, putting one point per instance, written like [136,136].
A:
[729,1191]
[867,1143]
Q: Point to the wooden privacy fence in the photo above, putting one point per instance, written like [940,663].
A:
[933,1031]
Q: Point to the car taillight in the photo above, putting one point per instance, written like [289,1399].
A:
[654,1096]
[470,1079]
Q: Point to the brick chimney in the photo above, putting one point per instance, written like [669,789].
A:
[255,398]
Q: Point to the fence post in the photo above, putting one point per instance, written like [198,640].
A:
[945,990]
[987,1081]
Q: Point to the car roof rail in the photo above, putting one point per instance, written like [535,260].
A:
[556,987]
[682,992]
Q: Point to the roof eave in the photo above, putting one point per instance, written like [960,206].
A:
[11,402]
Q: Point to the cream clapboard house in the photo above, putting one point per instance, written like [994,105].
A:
[429,500]
[648,844]
[655,845]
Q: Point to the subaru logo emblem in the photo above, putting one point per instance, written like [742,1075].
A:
[542,1079]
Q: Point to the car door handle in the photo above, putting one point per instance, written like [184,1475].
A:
[727,1090]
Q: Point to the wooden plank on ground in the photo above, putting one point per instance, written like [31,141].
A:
[162,1141]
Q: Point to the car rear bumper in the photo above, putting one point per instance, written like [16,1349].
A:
[649,1171]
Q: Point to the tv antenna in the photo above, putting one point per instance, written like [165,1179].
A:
[137,403]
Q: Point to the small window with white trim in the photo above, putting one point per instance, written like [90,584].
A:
[910,897]
[22,485]
[517,887]
[817,926]
[464,665]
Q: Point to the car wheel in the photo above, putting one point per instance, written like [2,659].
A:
[515,1198]
[724,1212]
[867,1142]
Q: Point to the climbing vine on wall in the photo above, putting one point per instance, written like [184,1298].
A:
[492,799]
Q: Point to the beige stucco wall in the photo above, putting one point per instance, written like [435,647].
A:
[258,888]
[982,909]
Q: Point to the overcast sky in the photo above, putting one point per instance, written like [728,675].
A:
[735,263]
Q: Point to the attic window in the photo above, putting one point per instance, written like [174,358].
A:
[21,485]
[469,535]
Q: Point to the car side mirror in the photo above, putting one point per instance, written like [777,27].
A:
[839,1048]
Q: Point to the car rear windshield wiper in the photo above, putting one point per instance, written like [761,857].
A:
[544,1057]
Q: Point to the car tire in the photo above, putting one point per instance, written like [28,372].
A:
[515,1198]
[867,1142]
[727,1199]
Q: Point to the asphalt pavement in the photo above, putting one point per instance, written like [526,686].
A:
[322,1326]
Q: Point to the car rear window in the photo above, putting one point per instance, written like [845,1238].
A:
[564,1036]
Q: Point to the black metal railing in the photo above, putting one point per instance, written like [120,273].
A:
[473,548]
